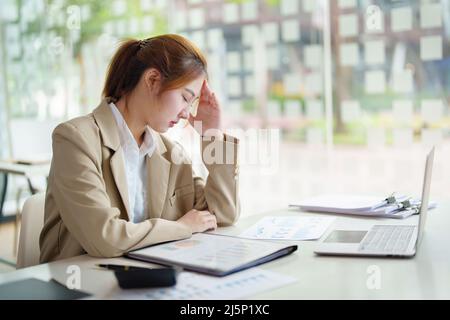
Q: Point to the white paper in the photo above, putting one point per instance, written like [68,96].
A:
[290,30]
[273,109]
[313,83]
[314,109]
[250,34]
[431,48]
[234,108]
[196,18]
[273,58]
[347,4]
[402,111]
[342,202]
[193,286]
[249,60]
[180,20]
[215,38]
[375,81]
[403,81]
[121,27]
[375,52]
[432,110]
[376,137]
[314,136]
[288,7]
[351,110]
[431,137]
[348,25]
[292,109]
[310,5]
[291,83]
[148,24]
[270,32]
[198,37]
[250,85]
[249,10]
[234,86]
[288,228]
[231,12]
[313,56]
[119,7]
[359,205]
[133,26]
[146,5]
[349,54]
[431,15]
[374,19]
[402,137]
[233,61]
[401,19]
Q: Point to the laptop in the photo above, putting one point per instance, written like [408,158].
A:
[387,240]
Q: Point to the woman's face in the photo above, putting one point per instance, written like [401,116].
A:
[172,105]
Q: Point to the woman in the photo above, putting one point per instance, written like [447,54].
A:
[114,184]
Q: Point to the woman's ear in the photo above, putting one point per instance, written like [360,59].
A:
[152,78]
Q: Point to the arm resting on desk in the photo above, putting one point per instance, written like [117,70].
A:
[77,186]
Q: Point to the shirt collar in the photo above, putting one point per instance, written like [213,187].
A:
[126,137]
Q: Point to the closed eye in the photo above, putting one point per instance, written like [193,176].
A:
[185,100]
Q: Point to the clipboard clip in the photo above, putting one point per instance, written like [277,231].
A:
[391,199]
[406,204]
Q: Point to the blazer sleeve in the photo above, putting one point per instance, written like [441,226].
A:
[80,195]
[220,193]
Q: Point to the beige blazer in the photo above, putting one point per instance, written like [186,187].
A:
[86,207]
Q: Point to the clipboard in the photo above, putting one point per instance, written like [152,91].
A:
[213,254]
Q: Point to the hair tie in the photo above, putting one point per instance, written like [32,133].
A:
[143,43]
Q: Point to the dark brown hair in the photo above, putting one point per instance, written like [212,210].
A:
[177,59]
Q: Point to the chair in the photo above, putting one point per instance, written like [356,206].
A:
[3,189]
[31,226]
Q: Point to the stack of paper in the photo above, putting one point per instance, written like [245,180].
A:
[362,205]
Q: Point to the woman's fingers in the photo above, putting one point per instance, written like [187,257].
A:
[206,213]
[211,224]
[204,91]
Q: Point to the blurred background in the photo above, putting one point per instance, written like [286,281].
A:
[345,96]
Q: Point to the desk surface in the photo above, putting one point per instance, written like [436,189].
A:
[426,276]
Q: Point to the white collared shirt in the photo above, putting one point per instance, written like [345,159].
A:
[135,166]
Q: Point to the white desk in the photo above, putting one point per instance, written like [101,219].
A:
[426,276]
[27,170]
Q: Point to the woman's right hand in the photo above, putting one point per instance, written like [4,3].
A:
[199,221]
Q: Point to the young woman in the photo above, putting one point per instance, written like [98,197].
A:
[114,184]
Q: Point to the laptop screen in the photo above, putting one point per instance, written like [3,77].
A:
[425,196]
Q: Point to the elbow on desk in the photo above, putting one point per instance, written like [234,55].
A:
[105,251]
[229,216]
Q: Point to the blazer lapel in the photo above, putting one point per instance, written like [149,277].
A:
[118,170]
[110,137]
[158,173]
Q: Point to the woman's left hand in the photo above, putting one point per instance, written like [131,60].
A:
[208,113]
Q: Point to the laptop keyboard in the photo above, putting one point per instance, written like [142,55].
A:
[387,239]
